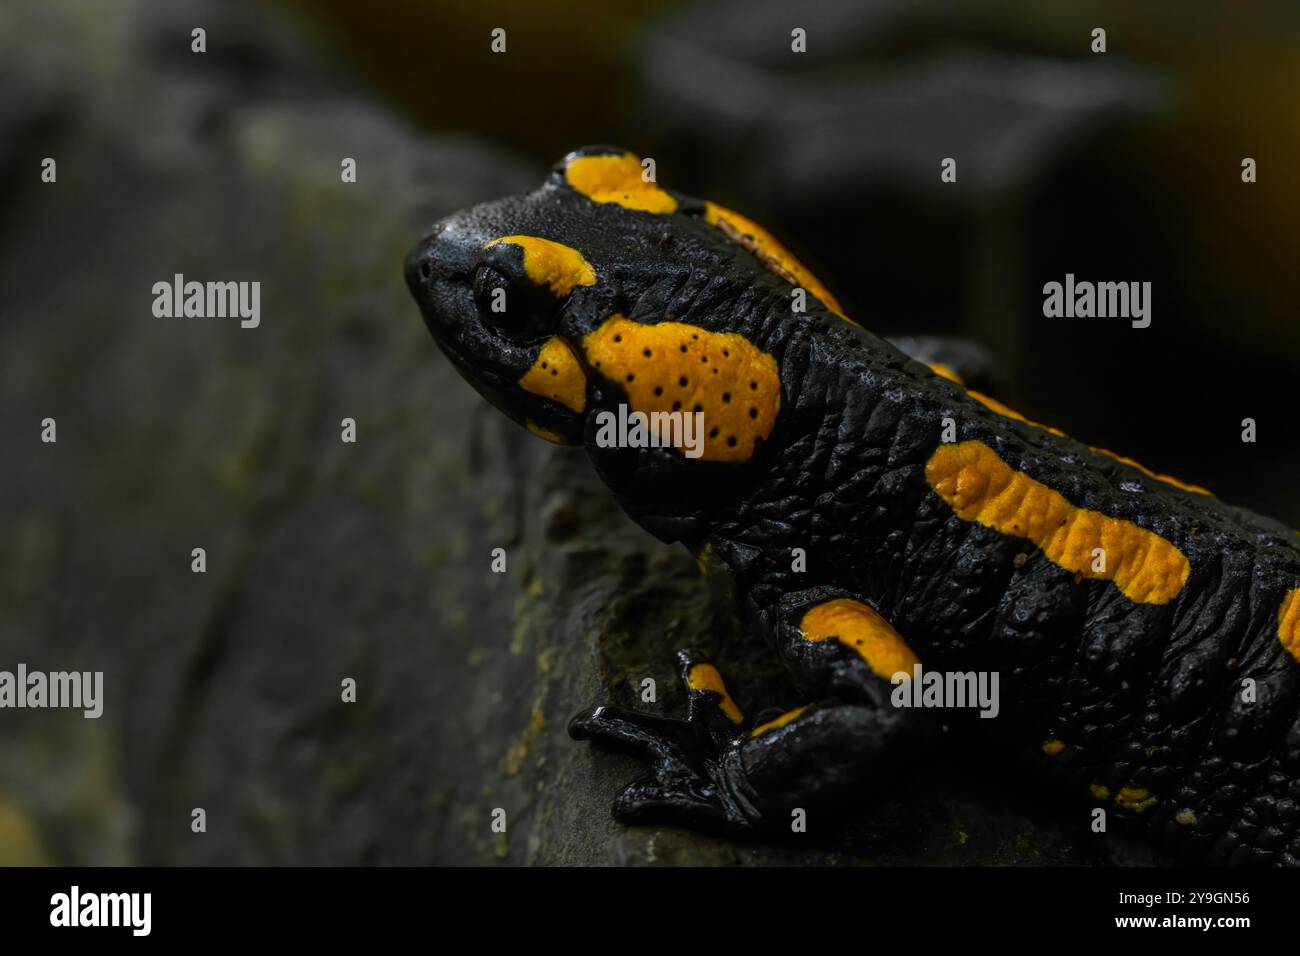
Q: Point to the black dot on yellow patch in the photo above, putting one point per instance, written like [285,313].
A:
[556,375]
[664,381]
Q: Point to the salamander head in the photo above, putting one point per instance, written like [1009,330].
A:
[602,292]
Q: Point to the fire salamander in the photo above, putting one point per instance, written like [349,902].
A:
[877,518]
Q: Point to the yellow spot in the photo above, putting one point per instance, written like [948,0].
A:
[781,721]
[704,557]
[943,371]
[617,179]
[1135,799]
[1053,747]
[706,677]
[552,264]
[1288,623]
[1007,412]
[672,366]
[778,259]
[1098,791]
[855,625]
[981,487]
[557,375]
[542,432]
[1186,817]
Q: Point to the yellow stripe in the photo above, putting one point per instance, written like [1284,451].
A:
[982,488]
[778,259]
[943,371]
[1288,623]
[1167,479]
[1007,412]
[781,721]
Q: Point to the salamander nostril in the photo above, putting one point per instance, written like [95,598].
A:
[422,267]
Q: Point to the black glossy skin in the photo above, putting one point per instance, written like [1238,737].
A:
[1144,696]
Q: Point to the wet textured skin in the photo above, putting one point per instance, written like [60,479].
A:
[1145,699]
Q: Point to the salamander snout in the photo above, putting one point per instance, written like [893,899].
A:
[441,255]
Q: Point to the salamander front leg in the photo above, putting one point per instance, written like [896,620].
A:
[686,783]
[712,772]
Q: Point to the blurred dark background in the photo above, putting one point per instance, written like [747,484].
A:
[329,560]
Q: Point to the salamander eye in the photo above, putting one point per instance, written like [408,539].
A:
[518,311]
[492,296]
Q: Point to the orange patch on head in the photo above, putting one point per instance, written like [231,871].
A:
[675,367]
[559,267]
[557,375]
[617,179]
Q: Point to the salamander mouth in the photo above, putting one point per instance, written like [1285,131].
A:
[497,379]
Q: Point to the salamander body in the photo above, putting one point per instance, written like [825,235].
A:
[881,523]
